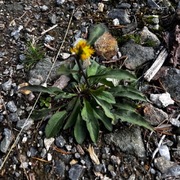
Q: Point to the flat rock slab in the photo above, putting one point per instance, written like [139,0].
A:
[137,54]
[40,72]
[128,140]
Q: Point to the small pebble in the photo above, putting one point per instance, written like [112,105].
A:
[48,38]
[164,151]
[49,157]
[116,22]
[24,140]
[48,142]
[44,8]
[60,141]
[7,85]
[11,106]
[60,2]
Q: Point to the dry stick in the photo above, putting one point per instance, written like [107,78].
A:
[158,146]
[18,136]
[44,32]
[151,72]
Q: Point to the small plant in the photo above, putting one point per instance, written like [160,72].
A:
[91,98]
[45,102]
[34,54]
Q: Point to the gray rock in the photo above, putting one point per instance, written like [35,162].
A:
[11,106]
[1,54]
[164,151]
[24,123]
[87,162]
[120,14]
[115,160]
[77,155]
[60,168]
[75,172]
[149,37]
[22,57]
[7,85]
[44,8]
[154,115]
[43,153]
[173,171]
[153,4]
[161,100]
[124,6]
[16,33]
[177,152]
[128,140]
[33,151]
[15,7]
[13,117]
[171,81]
[48,38]
[1,117]
[53,18]
[98,167]
[137,54]
[39,73]
[162,164]
[5,143]
[60,141]
[78,14]
[59,2]
[48,142]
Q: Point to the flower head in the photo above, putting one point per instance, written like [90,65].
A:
[82,49]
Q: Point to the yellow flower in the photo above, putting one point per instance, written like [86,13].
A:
[82,49]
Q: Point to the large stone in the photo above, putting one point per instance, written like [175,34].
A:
[128,140]
[154,115]
[40,72]
[137,54]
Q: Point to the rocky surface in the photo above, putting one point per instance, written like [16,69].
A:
[127,152]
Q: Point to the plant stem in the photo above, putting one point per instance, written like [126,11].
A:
[82,72]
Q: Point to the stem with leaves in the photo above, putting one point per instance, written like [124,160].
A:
[82,72]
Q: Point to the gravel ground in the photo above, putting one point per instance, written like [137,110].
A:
[126,153]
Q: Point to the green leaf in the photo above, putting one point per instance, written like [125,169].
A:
[126,106]
[80,130]
[76,75]
[133,118]
[73,115]
[105,96]
[93,128]
[106,82]
[128,92]
[118,74]
[88,116]
[39,114]
[64,70]
[71,104]
[55,123]
[87,111]
[42,89]
[99,114]
[92,69]
[106,107]
[95,32]
[64,95]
